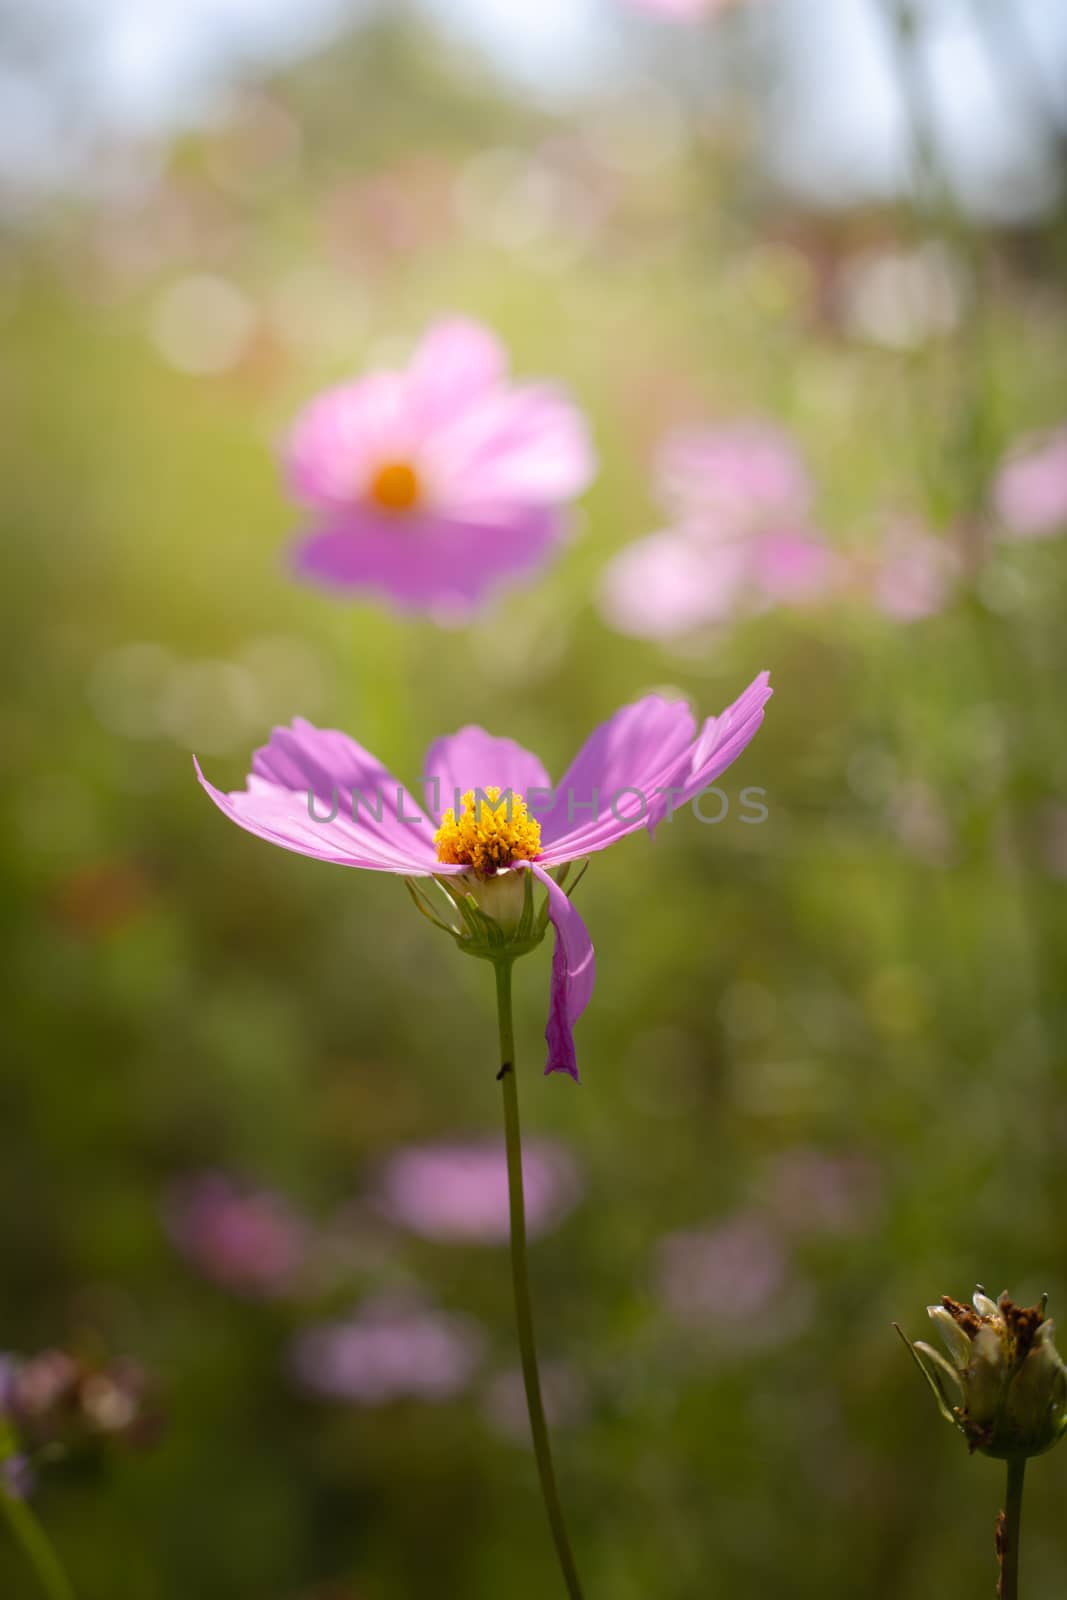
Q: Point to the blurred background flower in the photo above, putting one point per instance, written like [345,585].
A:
[1030,488]
[388,1351]
[733,1282]
[246,1240]
[436,483]
[459,1191]
[740,497]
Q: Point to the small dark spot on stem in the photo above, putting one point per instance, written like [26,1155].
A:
[505,1069]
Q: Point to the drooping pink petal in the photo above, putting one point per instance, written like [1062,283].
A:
[621,764]
[573,976]
[427,562]
[474,759]
[303,776]
[458,362]
[721,741]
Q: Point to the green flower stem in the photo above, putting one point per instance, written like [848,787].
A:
[33,1541]
[521,1280]
[1008,1530]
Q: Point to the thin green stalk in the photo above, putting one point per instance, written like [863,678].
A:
[33,1541]
[1008,1530]
[521,1280]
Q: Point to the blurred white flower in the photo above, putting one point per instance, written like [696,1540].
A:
[901,298]
[203,324]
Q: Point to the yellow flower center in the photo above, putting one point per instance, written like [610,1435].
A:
[490,834]
[395,487]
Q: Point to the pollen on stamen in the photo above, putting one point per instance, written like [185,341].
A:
[396,487]
[490,835]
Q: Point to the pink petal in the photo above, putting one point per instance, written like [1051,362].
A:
[636,749]
[422,562]
[721,741]
[528,446]
[474,759]
[302,762]
[573,977]
[456,364]
[341,439]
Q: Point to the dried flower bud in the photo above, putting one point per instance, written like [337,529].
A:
[56,1401]
[1004,1385]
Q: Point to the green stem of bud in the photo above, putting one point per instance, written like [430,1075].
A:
[521,1279]
[1008,1525]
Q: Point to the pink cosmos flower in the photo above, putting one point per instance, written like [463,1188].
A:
[1030,491]
[388,1351]
[249,1241]
[319,793]
[433,485]
[459,1192]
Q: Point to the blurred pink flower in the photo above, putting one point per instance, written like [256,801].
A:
[792,568]
[248,1241]
[1030,490]
[733,478]
[390,1350]
[670,584]
[433,485]
[459,1192]
[811,1192]
[740,497]
[400,211]
[914,575]
[726,1276]
[685,10]
[504,1401]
